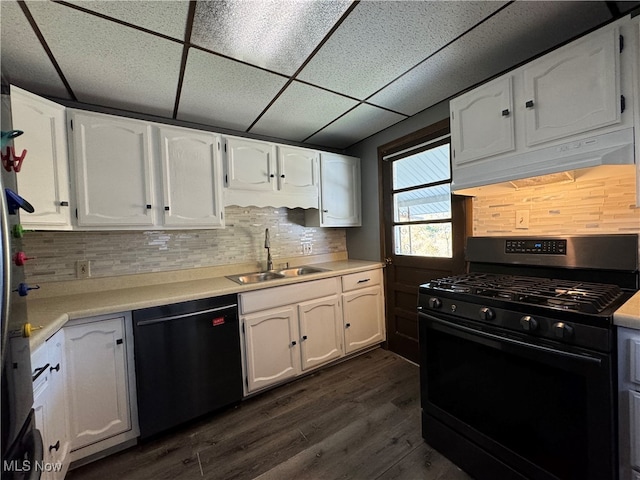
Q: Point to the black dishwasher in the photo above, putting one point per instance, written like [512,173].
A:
[187,358]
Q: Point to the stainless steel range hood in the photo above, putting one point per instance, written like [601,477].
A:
[614,148]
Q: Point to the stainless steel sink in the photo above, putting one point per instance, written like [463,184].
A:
[297,271]
[257,277]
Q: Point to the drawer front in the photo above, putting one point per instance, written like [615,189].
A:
[287,295]
[354,281]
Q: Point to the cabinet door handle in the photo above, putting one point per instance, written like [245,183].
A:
[365,280]
[294,343]
[304,337]
[325,211]
[119,341]
[56,368]
[529,104]
[39,371]
[64,204]
[148,206]
[282,176]
[505,112]
[347,325]
[166,208]
[272,176]
[55,447]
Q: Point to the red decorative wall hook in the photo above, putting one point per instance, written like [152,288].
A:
[12,162]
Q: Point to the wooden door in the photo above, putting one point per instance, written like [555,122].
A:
[320,331]
[97,381]
[191,177]
[424,227]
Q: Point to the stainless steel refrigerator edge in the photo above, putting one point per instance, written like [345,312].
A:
[22,450]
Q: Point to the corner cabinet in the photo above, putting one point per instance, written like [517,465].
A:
[269,175]
[101,383]
[191,178]
[340,204]
[50,405]
[113,170]
[44,173]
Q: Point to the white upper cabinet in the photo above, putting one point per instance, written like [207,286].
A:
[340,204]
[265,175]
[191,178]
[250,165]
[573,90]
[572,108]
[483,121]
[113,170]
[44,174]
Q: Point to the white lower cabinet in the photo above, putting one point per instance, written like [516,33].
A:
[101,383]
[629,402]
[50,406]
[293,329]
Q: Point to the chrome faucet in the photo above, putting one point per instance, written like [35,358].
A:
[267,245]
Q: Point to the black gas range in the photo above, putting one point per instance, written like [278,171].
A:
[518,356]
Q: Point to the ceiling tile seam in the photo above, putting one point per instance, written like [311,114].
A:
[441,48]
[332,121]
[116,20]
[185,53]
[43,42]
[317,48]
[227,57]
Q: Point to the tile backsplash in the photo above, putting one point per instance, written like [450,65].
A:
[590,204]
[116,253]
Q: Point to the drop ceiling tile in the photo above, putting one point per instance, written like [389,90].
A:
[166,17]
[272,34]
[300,111]
[514,35]
[627,6]
[24,60]
[109,64]
[380,40]
[359,123]
[224,93]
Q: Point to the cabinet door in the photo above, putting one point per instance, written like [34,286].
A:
[59,442]
[97,381]
[298,172]
[42,405]
[44,175]
[113,168]
[250,165]
[320,331]
[634,430]
[482,122]
[363,318]
[272,350]
[192,178]
[574,89]
[340,191]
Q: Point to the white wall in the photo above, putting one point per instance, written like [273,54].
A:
[364,243]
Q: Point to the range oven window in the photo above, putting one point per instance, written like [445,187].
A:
[538,407]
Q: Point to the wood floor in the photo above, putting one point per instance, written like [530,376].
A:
[356,420]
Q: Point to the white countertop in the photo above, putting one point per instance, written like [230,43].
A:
[52,313]
[628,315]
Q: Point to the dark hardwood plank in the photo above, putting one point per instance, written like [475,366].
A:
[359,419]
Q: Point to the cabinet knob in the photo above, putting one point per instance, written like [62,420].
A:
[166,208]
[119,341]
[347,325]
[505,112]
[271,175]
[529,104]
[148,206]
[64,204]
[304,337]
[56,368]
[55,447]
[294,343]
[325,211]
[282,176]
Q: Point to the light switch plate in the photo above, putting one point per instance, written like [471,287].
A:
[522,219]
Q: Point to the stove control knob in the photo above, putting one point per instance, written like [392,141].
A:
[529,323]
[487,314]
[562,330]
[435,302]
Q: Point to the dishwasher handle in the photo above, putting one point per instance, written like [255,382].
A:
[143,323]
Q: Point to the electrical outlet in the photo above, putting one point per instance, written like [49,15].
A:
[522,219]
[307,248]
[82,269]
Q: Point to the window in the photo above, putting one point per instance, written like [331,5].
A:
[422,201]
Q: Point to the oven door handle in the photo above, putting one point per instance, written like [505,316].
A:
[511,341]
